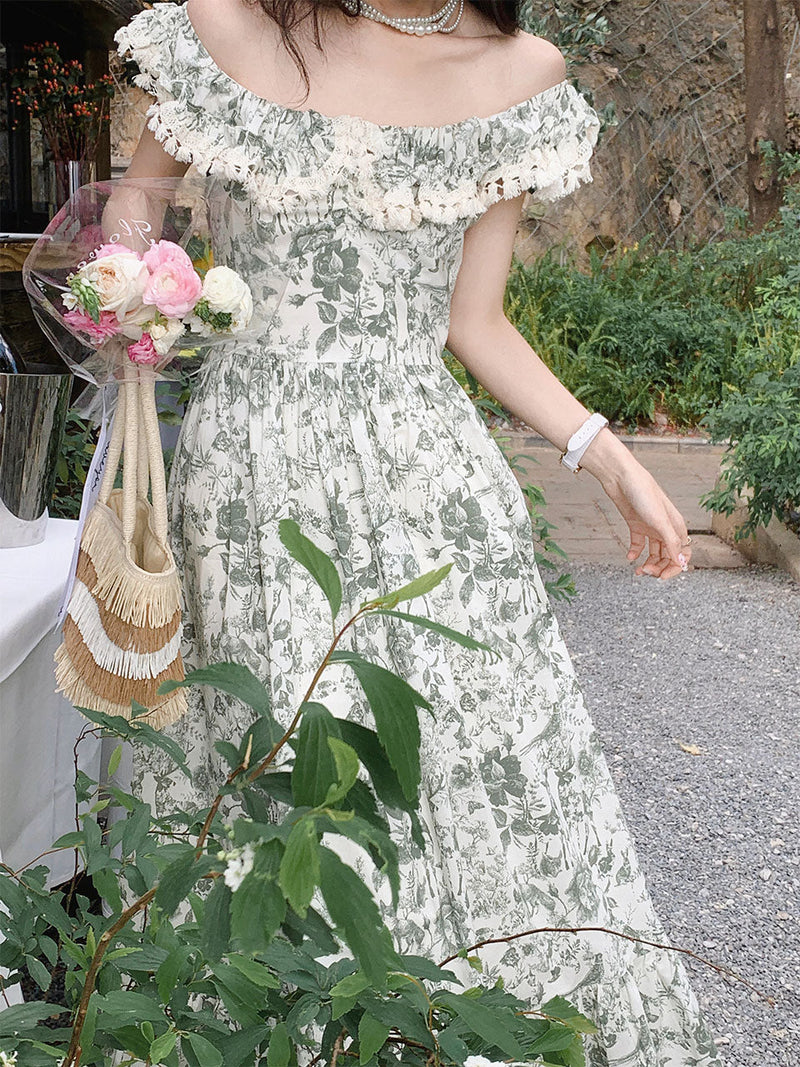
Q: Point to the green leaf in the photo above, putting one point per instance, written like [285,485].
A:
[445,631]
[418,587]
[379,844]
[38,972]
[175,882]
[280,1048]
[19,1018]
[70,840]
[232,678]
[254,970]
[257,910]
[114,760]
[394,705]
[137,827]
[314,770]
[162,1046]
[493,1024]
[216,926]
[346,770]
[319,566]
[106,884]
[559,1008]
[369,750]
[300,870]
[129,1004]
[168,972]
[141,732]
[354,912]
[207,1055]
[372,1036]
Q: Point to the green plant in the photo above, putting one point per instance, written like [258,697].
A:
[762,462]
[210,943]
[75,456]
[71,110]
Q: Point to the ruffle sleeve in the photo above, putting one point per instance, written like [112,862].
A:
[306,163]
[545,148]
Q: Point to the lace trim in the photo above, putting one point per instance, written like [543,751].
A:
[543,146]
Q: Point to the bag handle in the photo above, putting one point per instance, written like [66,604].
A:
[136,435]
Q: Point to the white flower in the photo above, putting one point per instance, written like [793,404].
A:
[240,864]
[166,334]
[120,281]
[225,290]
[8,1059]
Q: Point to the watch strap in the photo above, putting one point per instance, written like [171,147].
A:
[581,439]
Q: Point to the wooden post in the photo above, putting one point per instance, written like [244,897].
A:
[765,99]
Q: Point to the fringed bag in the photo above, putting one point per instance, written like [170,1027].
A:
[122,627]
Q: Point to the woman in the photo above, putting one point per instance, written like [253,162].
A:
[390,201]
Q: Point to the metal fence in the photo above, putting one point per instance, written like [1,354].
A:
[674,161]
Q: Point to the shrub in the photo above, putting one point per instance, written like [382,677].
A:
[762,462]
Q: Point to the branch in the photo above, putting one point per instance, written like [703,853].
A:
[74,1051]
[602,929]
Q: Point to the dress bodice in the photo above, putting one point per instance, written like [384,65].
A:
[366,220]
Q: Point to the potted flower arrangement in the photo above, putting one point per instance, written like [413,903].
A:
[71,110]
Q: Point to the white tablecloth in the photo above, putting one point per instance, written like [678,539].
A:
[38,727]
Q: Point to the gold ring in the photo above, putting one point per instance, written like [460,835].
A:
[685,543]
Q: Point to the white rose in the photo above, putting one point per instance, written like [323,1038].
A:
[120,281]
[224,289]
[166,334]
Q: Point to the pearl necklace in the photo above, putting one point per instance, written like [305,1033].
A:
[420,25]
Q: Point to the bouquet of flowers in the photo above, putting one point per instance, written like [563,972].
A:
[133,269]
[129,276]
[157,300]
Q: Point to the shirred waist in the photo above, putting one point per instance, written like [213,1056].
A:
[265,351]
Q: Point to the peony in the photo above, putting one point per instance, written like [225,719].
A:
[164,335]
[112,249]
[163,252]
[144,351]
[98,332]
[225,290]
[174,287]
[119,279]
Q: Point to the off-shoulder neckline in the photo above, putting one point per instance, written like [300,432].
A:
[356,119]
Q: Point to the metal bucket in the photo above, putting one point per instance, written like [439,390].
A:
[33,409]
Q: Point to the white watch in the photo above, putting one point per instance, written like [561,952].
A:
[581,440]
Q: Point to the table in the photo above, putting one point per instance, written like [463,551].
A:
[38,727]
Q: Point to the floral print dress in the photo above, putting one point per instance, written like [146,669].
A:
[344,417]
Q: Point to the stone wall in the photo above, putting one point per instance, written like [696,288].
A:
[672,71]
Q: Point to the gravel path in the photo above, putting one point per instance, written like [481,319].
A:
[710,659]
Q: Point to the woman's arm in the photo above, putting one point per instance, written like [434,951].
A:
[494,351]
[129,203]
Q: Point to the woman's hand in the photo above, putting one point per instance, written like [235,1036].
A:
[651,516]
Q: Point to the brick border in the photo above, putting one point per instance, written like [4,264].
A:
[636,442]
[774,544]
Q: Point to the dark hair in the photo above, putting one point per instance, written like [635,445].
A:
[286,14]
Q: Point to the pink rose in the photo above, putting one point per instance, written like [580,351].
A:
[98,332]
[163,252]
[112,249]
[144,351]
[175,286]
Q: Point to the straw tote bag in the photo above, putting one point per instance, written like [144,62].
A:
[122,628]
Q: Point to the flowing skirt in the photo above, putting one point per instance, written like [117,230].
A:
[388,468]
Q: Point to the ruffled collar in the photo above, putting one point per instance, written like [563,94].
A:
[392,177]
